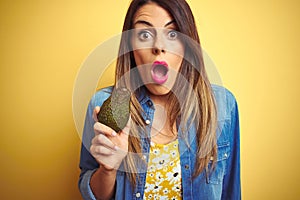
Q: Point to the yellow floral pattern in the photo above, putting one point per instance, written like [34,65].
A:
[163,180]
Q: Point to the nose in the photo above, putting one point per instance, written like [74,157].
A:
[158,46]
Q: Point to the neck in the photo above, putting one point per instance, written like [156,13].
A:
[162,131]
[159,99]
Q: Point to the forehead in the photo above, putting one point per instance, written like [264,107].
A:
[154,14]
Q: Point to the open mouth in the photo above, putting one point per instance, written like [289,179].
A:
[159,72]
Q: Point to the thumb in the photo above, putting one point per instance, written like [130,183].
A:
[126,129]
[95,113]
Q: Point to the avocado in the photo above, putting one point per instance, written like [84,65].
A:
[115,110]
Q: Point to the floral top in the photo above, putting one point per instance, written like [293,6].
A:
[163,180]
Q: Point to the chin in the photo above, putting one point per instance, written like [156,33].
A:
[159,90]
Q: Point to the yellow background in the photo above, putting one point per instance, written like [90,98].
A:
[255,45]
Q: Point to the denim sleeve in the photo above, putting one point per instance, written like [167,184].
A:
[88,165]
[84,185]
[232,182]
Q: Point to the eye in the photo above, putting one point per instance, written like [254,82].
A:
[172,35]
[145,35]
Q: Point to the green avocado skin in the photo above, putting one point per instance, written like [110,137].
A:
[115,110]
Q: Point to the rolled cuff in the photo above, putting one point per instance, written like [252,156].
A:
[85,188]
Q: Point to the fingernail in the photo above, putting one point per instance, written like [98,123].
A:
[116,148]
[113,133]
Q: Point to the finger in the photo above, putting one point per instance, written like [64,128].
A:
[100,128]
[102,140]
[100,150]
[95,113]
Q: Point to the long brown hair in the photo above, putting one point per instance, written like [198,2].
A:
[199,104]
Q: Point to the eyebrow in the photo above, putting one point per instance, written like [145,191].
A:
[151,25]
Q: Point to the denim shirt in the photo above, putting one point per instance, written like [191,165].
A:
[222,183]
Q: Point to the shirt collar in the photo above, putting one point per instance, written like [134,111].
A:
[142,95]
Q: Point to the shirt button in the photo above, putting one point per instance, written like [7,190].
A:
[187,167]
[144,157]
[138,195]
[149,103]
[147,122]
[226,155]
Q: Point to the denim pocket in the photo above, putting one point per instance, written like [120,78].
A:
[216,176]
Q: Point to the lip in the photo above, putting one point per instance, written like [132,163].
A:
[159,72]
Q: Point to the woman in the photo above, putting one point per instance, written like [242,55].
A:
[182,139]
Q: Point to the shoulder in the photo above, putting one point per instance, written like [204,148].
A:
[221,93]
[100,96]
[225,102]
[227,112]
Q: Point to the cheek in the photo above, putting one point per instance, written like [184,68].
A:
[176,61]
[142,65]
[177,57]
[179,61]
[140,56]
[178,49]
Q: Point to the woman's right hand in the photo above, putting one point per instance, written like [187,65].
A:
[108,147]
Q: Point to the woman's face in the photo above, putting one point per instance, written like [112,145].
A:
[157,48]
